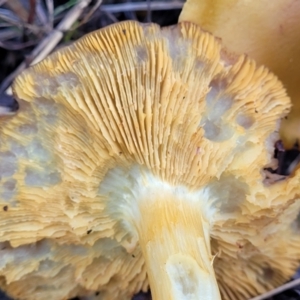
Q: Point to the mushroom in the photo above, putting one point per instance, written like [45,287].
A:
[267,31]
[137,158]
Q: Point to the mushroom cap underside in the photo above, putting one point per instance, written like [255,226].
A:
[126,103]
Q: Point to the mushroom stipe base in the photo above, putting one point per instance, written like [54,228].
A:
[172,230]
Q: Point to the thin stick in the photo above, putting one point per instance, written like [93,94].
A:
[50,7]
[278,290]
[111,17]
[90,13]
[49,42]
[41,14]
[149,14]
[134,6]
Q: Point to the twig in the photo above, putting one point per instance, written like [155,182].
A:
[278,290]
[50,7]
[149,17]
[130,15]
[49,42]
[16,46]
[111,17]
[134,6]
[90,13]
[40,12]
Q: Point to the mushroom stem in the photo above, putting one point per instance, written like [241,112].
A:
[175,242]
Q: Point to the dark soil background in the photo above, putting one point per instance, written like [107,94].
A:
[25,23]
